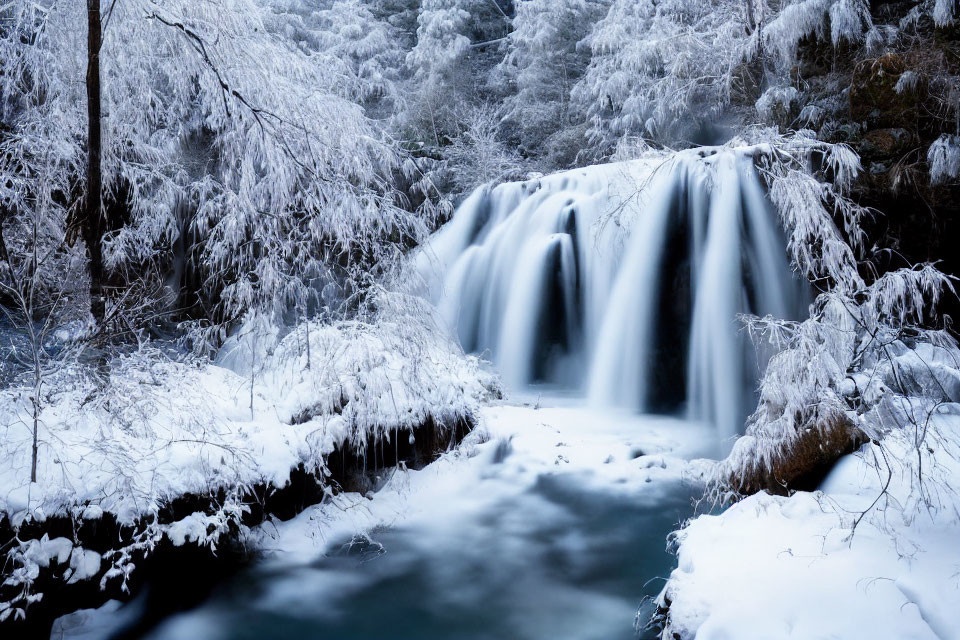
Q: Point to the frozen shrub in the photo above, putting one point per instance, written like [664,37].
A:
[944,159]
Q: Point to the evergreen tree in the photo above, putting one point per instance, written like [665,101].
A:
[544,61]
[456,46]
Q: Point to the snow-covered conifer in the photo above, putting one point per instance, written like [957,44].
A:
[457,42]
[659,69]
[351,32]
[544,61]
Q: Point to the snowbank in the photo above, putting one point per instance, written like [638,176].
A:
[160,428]
[157,429]
[873,554]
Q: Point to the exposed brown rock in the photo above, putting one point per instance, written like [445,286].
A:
[804,462]
[873,97]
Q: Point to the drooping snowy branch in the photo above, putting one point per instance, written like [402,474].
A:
[218,131]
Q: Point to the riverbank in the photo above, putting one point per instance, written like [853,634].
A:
[872,554]
[167,454]
[547,519]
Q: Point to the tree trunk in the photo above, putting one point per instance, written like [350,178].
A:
[93,214]
[37,381]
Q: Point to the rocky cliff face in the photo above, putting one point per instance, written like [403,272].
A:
[891,100]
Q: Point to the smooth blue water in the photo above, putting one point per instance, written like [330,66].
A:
[558,561]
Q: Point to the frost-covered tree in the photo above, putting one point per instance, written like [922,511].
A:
[788,23]
[660,68]
[455,42]
[544,60]
[351,32]
[442,40]
[218,131]
[477,155]
[41,281]
[91,218]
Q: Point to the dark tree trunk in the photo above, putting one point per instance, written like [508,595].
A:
[93,206]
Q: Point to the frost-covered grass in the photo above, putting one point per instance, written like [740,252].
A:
[944,159]
[156,429]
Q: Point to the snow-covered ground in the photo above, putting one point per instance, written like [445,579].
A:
[862,558]
[491,501]
[157,429]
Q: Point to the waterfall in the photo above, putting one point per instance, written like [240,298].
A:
[623,281]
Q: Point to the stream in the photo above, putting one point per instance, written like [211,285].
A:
[546,523]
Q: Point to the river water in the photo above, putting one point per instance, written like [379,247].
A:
[581,572]
[546,523]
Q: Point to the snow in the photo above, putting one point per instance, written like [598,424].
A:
[193,528]
[41,552]
[804,567]
[158,429]
[163,428]
[610,451]
[276,133]
[776,102]
[84,564]
[807,566]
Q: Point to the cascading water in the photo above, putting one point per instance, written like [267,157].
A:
[622,280]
